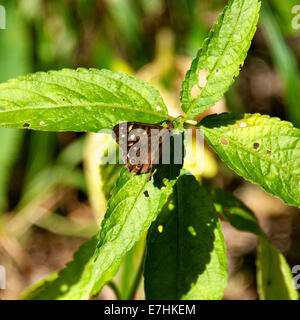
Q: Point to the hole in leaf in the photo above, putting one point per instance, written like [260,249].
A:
[224,141]
[195,92]
[255,145]
[269,152]
[242,124]
[26,125]
[202,79]
[217,70]
[159,108]
[146,193]
[42,123]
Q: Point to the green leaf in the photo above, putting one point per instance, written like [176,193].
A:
[134,204]
[186,255]
[259,148]
[235,211]
[274,277]
[78,100]
[220,57]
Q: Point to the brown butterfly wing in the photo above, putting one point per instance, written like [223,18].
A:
[122,133]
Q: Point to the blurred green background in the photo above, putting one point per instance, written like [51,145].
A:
[51,194]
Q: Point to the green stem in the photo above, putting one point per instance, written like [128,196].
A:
[137,280]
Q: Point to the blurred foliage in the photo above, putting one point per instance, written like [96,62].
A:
[46,178]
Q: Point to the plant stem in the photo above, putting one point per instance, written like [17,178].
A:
[137,280]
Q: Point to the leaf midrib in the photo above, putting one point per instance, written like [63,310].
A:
[121,229]
[85,105]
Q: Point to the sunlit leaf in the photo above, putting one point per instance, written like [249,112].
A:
[78,100]
[274,277]
[134,204]
[259,148]
[219,60]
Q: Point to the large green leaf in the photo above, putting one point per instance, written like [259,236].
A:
[220,57]
[261,149]
[134,205]
[274,277]
[186,255]
[78,100]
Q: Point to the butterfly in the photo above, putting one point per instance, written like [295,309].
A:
[142,145]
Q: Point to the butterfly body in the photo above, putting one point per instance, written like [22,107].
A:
[141,144]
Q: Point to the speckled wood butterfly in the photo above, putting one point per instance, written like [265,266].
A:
[142,144]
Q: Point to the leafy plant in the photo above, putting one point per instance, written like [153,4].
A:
[186,254]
